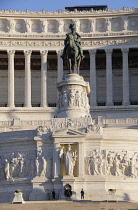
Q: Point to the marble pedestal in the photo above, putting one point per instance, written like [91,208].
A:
[73,100]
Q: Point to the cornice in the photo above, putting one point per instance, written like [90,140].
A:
[56,37]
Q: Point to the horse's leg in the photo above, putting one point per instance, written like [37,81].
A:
[75,63]
[78,64]
[70,69]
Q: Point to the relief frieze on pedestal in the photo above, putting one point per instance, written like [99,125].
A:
[112,163]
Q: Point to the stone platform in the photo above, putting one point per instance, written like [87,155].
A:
[70,205]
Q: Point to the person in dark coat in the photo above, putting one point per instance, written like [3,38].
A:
[82,194]
[53,194]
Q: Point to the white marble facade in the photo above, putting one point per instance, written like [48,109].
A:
[78,142]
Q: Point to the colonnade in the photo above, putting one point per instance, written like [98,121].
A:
[109,80]
[93,97]
[27,99]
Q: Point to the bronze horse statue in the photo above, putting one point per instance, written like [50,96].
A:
[72,54]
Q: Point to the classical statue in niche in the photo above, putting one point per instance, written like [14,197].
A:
[73,52]
[69,159]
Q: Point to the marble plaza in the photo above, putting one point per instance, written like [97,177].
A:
[58,128]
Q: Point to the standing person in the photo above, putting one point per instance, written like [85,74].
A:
[82,194]
[53,194]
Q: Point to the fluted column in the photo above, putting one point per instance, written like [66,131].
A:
[60,66]
[56,161]
[27,54]
[125,77]
[11,78]
[44,78]
[93,101]
[109,79]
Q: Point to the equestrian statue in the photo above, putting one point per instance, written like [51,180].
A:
[73,52]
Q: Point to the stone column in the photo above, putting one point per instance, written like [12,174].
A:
[27,78]
[44,78]
[11,78]
[56,162]
[60,66]
[81,159]
[109,82]
[92,78]
[125,77]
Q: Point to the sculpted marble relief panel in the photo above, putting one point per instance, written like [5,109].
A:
[17,165]
[133,23]
[4,25]
[52,26]
[112,163]
[116,24]
[36,26]
[24,165]
[73,98]
[20,26]
[58,123]
[101,25]
[84,26]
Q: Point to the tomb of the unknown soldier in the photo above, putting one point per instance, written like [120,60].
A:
[69,105]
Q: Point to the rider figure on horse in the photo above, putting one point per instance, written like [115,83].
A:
[77,40]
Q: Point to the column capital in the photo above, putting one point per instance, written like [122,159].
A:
[125,50]
[11,52]
[59,52]
[44,52]
[92,52]
[108,51]
[27,52]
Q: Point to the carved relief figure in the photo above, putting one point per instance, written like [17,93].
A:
[69,159]
[44,25]
[77,24]
[11,26]
[92,25]
[44,167]
[71,98]
[77,99]
[7,169]
[65,99]
[28,26]
[37,166]
[108,25]
[60,27]
[125,24]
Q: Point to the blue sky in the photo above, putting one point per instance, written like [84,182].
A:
[54,5]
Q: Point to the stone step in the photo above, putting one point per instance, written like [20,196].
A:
[69,205]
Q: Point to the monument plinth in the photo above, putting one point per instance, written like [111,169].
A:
[73,100]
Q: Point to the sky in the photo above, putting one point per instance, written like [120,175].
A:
[54,5]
